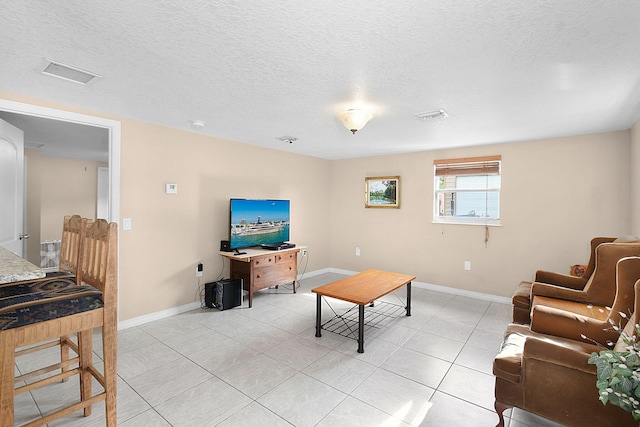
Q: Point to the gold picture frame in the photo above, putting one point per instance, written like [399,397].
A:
[382,192]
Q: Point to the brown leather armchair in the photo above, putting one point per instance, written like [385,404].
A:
[586,321]
[600,289]
[550,377]
[522,296]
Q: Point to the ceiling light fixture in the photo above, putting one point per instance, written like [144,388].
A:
[354,119]
[432,114]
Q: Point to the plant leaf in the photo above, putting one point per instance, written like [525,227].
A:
[604,371]
[626,384]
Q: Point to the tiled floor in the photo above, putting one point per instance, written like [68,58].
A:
[264,367]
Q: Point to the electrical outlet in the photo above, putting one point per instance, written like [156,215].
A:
[303,252]
[357,250]
[199,270]
[467,265]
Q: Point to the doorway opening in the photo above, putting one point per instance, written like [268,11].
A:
[111,127]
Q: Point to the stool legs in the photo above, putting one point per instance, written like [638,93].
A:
[7,366]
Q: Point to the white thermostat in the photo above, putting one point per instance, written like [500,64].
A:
[172,189]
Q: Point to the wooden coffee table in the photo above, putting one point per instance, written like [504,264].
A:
[362,289]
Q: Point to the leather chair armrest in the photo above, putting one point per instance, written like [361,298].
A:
[558,279]
[572,355]
[561,323]
[558,292]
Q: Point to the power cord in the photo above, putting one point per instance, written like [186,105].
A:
[306,263]
[200,290]
[304,259]
[200,294]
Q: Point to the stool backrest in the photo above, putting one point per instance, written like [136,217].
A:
[99,257]
[70,244]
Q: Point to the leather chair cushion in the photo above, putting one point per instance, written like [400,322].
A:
[588,310]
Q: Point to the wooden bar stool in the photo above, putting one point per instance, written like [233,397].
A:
[51,308]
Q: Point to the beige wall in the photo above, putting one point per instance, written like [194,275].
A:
[172,233]
[556,195]
[635,179]
[57,187]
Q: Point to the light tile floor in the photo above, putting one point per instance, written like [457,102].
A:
[264,367]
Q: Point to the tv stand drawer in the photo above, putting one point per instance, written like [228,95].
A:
[263,261]
[274,270]
[265,271]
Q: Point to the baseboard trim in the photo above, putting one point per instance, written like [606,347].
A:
[306,275]
[462,292]
[444,289]
[137,321]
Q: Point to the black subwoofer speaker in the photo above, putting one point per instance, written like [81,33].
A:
[223,294]
[225,246]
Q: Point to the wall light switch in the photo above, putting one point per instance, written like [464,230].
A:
[126,223]
[171,188]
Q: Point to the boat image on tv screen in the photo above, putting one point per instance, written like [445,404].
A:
[258,222]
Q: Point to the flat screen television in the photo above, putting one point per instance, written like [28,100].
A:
[256,222]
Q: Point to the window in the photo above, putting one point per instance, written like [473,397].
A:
[467,191]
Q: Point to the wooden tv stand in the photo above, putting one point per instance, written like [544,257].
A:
[260,268]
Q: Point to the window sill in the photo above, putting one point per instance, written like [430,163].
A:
[490,223]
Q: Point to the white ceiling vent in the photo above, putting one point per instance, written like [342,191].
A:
[287,138]
[69,73]
[33,145]
[432,115]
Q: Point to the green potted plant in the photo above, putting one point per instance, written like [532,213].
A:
[618,373]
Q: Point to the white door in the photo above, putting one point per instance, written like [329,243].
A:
[11,187]
[102,210]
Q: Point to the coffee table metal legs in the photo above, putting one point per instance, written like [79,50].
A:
[360,317]
[361,328]
[318,315]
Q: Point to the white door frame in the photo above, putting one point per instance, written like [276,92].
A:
[112,126]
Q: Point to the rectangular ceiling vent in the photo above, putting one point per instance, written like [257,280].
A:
[432,115]
[69,73]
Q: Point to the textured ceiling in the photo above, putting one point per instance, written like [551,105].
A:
[257,70]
